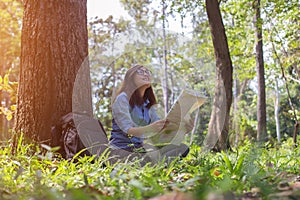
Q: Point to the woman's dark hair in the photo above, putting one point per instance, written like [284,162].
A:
[131,89]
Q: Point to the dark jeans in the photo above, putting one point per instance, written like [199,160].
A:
[149,153]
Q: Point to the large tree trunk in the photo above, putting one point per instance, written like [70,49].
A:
[261,101]
[219,121]
[54,47]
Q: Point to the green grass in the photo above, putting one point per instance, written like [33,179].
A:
[36,172]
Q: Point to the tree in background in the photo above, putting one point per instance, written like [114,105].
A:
[260,70]
[54,45]
[219,122]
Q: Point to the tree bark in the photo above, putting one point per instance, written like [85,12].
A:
[54,47]
[261,101]
[219,122]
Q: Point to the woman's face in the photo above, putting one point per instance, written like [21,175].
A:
[142,77]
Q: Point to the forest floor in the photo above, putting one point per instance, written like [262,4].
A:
[248,172]
[287,189]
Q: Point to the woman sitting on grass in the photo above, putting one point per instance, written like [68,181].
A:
[134,119]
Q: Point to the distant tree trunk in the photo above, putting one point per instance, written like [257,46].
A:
[165,62]
[4,123]
[296,125]
[298,71]
[276,110]
[196,126]
[219,122]
[54,47]
[113,54]
[235,111]
[242,87]
[261,101]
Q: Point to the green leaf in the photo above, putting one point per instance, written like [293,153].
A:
[6,80]
[238,166]
[9,116]
[13,107]
[227,161]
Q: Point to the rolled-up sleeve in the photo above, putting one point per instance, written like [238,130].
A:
[121,114]
[153,115]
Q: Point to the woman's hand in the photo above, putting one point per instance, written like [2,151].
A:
[149,130]
[158,125]
[188,125]
[171,126]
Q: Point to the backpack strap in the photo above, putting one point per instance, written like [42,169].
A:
[102,127]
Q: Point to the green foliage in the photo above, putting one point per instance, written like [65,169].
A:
[11,12]
[9,87]
[37,172]
[240,33]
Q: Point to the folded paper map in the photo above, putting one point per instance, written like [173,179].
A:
[179,114]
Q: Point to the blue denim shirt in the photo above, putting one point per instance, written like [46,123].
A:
[126,117]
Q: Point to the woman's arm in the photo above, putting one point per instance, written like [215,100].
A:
[144,131]
[120,112]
